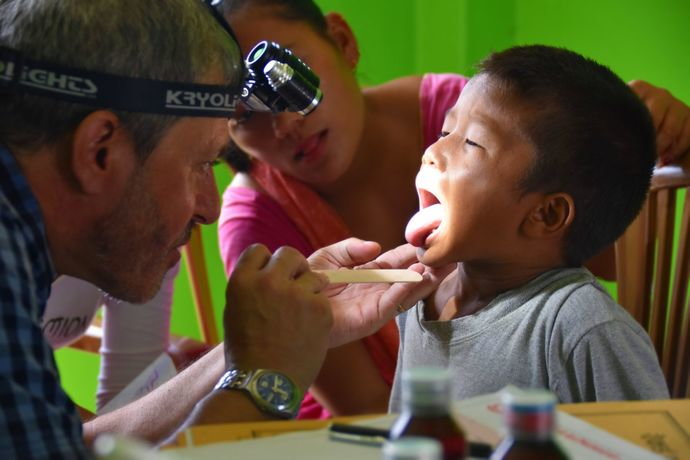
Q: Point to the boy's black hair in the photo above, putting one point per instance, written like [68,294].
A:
[594,139]
[290,10]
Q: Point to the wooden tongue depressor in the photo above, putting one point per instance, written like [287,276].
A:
[371,276]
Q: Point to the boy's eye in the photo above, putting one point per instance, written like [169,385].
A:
[471,143]
[443,134]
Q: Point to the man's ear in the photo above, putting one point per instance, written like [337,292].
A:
[551,217]
[341,33]
[102,154]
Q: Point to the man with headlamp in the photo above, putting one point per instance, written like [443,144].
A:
[111,116]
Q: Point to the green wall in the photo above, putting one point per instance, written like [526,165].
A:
[637,39]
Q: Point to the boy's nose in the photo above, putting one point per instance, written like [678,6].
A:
[286,124]
[430,157]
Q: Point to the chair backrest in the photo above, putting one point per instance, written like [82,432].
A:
[653,269]
[201,289]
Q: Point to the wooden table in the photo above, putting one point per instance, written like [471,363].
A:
[660,426]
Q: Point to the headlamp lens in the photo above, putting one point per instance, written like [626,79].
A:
[278,81]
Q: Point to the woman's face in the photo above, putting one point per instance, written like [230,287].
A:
[319,148]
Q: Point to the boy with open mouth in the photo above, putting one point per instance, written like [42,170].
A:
[544,160]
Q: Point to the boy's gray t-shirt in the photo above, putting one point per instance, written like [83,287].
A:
[561,331]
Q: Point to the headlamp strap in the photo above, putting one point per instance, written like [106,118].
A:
[18,73]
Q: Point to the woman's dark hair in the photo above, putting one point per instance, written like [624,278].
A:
[289,10]
[594,139]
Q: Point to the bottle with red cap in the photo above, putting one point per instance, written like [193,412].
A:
[529,420]
[426,411]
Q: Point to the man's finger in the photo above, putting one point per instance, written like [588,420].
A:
[288,261]
[254,257]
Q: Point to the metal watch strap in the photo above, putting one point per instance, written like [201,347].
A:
[245,380]
[234,379]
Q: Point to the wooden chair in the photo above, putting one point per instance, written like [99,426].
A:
[201,292]
[653,269]
[91,340]
[201,289]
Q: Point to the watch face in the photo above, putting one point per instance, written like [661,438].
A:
[275,389]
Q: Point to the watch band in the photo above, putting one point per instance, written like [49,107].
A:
[271,391]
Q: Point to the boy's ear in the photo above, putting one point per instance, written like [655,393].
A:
[341,33]
[101,154]
[551,217]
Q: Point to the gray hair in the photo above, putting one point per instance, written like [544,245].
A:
[172,40]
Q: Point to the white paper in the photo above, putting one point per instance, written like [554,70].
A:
[580,439]
[158,372]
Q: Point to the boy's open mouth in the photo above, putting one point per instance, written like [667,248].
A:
[425,223]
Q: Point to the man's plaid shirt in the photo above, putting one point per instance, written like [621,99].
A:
[37,418]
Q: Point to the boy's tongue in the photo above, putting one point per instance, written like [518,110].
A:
[422,224]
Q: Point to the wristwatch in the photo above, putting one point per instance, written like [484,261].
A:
[271,391]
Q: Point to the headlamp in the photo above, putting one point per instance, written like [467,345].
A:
[278,81]
[274,80]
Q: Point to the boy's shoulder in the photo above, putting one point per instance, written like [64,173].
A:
[565,285]
[573,301]
[568,302]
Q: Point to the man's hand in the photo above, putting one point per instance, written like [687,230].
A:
[276,316]
[360,309]
[671,119]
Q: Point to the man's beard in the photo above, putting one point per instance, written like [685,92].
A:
[131,248]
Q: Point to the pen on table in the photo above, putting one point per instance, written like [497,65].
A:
[376,436]
[358,434]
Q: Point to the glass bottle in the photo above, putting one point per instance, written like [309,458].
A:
[529,420]
[412,448]
[426,411]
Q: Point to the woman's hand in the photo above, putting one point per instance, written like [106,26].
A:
[185,350]
[360,309]
[671,119]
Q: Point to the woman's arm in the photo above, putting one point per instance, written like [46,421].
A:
[134,335]
[349,382]
[671,119]
[248,217]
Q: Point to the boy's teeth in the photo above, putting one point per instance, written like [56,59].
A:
[423,224]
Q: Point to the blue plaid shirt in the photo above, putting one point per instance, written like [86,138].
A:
[37,418]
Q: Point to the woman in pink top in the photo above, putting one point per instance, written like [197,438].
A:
[346,169]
